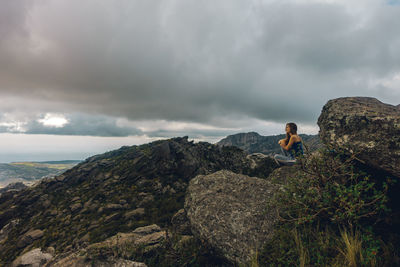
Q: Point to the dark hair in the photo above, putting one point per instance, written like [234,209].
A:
[293,130]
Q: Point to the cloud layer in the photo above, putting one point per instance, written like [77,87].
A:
[209,63]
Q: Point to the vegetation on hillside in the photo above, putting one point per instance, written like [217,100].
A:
[333,212]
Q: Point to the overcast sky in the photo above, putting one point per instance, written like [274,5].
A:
[80,77]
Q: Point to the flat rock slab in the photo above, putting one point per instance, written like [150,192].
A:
[228,210]
[29,237]
[364,126]
[33,258]
[75,260]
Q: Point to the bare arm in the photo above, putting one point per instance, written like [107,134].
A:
[289,145]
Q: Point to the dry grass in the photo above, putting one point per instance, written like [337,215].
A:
[254,260]
[301,250]
[351,249]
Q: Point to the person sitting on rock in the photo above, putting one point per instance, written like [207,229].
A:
[291,146]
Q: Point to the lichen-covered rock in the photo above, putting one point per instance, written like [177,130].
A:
[33,258]
[6,230]
[114,251]
[260,164]
[134,213]
[75,207]
[111,207]
[228,210]
[29,237]
[76,260]
[180,223]
[146,238]
[366,127]
[146,230]
[283,174]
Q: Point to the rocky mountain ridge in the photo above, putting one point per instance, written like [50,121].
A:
[114,192]
[253,142]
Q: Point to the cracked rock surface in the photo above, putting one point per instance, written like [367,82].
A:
[364,126]
[228,210]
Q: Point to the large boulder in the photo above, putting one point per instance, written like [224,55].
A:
[285,173]
[228,211]
[365,127]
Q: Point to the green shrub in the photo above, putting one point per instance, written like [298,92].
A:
[325,214]
[329,189]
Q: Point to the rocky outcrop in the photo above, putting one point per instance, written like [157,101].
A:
[6,229]
[13,187]
[283,174]
[33,258]
[116,250]
[77,260]
[228,210]
[180,223]
[147,238]
[365,127]
[119,190]
[29,237]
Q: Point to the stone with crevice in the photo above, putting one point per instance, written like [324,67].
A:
[365,127]
[33,258]
[228,210]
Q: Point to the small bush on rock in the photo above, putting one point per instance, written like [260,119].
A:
[327,213]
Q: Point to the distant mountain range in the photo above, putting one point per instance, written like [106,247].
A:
[28,172]
[253,142]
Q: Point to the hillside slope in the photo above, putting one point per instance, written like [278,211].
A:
[114,192]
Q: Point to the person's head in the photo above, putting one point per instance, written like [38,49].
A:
[291,128]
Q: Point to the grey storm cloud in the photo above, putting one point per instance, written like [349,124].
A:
[194,61]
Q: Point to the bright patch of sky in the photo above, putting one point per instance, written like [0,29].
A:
[53,120]
[38,147]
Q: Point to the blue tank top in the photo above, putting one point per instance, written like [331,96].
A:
[296,149]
